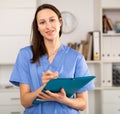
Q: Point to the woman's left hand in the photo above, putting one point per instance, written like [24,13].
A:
[49,96]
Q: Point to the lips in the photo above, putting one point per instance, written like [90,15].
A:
[50,32]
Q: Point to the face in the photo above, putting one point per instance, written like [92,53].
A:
[48,24]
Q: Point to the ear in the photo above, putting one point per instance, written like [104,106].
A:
[61,22]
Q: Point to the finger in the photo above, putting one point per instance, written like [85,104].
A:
[56,74]
[45,81]
[63,91]
[48,72]
[43,96]
[54,95]
[48,75]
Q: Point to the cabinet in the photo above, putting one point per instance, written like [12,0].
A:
[108,91]
[10,102]
[110,48]
[111,102]
[105,98]
[110,55]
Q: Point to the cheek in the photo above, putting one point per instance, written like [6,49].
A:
[58,27]
[41,32]
[41,29]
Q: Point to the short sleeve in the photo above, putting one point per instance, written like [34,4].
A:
[20,73]
[83,70]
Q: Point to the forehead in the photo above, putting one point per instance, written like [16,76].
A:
[45,13]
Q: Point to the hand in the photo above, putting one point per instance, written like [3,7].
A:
[48,75]
[49,96]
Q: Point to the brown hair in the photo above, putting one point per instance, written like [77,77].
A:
[37,43]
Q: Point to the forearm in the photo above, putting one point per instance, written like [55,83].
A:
[27,99]
[27,96]
[79,103]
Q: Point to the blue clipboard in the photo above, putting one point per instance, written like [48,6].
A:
[70,85]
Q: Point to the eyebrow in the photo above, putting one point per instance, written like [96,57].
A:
[49,17]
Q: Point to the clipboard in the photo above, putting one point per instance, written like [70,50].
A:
[70,85]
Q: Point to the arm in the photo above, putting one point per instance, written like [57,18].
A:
[79,103]
[26,96]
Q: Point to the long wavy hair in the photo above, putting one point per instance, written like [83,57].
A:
[37,42]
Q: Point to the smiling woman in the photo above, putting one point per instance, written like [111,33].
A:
[45,59]
[69,22]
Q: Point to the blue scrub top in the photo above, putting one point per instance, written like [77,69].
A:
[67,62]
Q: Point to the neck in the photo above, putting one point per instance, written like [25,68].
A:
[52,47]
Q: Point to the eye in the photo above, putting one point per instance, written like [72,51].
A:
[52,20]
[41,23]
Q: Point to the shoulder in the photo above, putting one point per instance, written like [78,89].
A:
[26,51]
[27,48]
[72,53]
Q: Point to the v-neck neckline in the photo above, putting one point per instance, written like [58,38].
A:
[56,63]
[50,63]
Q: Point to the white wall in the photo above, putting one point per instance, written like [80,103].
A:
[15,26]
[83,10]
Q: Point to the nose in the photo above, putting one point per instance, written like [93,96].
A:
[48,25]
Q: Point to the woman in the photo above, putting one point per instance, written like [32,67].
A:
[44,60]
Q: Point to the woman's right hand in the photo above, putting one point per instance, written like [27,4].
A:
[48,75]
